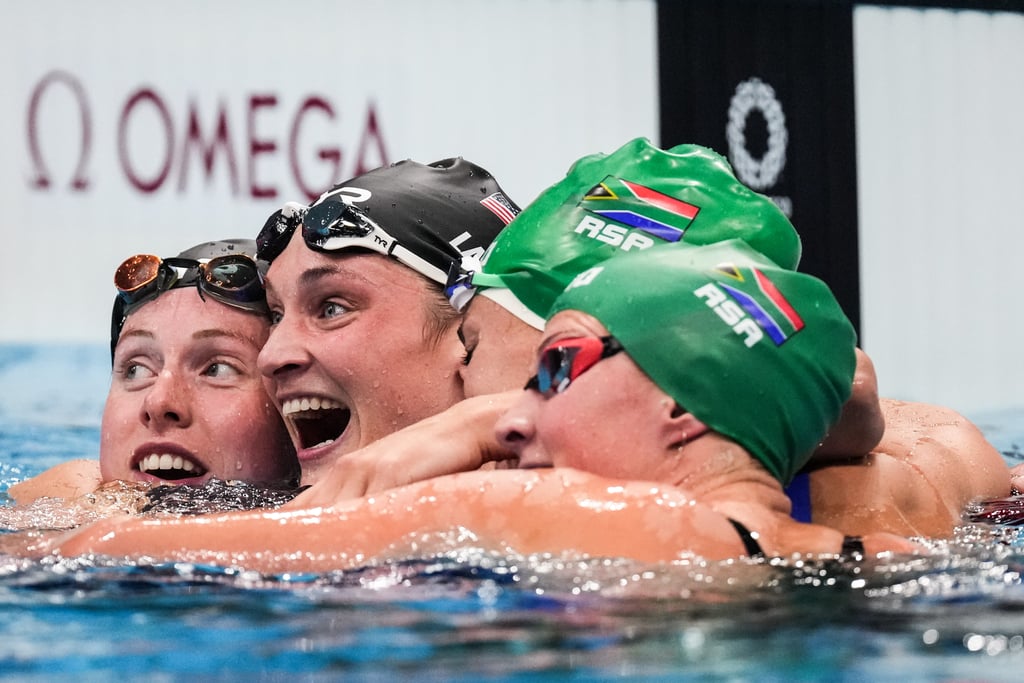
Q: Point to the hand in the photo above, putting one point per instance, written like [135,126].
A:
[1017,479]
[459,439]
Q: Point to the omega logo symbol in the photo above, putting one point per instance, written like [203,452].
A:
[754,94]
[41,179]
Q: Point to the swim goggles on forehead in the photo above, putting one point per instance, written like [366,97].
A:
[332,225]
[233,279]
[567,359]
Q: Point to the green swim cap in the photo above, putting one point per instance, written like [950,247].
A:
[761,354]
[638,197]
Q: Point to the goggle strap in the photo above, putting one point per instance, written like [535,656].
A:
[420,265]
[393,249]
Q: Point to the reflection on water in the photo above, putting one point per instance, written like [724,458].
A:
[957,614]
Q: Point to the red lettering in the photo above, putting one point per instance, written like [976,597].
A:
[209,143]
[259,146]
[194,140]
[330,154]
[371,131]
[144,95]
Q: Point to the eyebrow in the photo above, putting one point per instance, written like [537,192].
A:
[216,334]
[311,276]
[135,333]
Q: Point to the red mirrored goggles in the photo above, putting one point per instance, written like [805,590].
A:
[566,359]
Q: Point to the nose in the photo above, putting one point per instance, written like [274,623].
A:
[168,402]
[516,430]
[285,351]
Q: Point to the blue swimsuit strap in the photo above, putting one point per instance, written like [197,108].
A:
[799,492]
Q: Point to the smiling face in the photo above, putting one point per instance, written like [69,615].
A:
[612,420]
[187,402]
[355,353]
[499,348]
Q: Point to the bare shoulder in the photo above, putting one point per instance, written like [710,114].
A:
[908,422]
[946,448]
[67,480]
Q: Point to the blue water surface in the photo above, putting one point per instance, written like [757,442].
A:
[955,616]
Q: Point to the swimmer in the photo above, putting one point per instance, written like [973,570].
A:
[909,468]
[654,437]
[364,340]
[186,403]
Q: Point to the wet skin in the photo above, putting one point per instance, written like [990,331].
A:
[187,401]
[348,360]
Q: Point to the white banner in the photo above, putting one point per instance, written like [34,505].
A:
[939,101]
[146,127]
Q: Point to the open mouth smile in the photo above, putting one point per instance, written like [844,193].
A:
[170,467]
[315,421]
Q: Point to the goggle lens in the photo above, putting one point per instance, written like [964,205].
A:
[234,275]
[565,360]
[136,278]
[329,218]
[333,218]
[278,229]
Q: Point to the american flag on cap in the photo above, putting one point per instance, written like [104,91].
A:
[500,206]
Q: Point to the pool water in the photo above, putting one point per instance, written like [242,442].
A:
[957,615]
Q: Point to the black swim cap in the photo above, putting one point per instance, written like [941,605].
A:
[431,216]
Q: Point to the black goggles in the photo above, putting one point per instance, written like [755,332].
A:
[567,359]
[233,279]
[331,225]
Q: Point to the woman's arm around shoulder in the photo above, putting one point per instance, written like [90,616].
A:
[68,480]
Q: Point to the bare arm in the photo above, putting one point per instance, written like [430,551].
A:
[930,464]
[524,512]
[460,439]
[68,480]
[947,449]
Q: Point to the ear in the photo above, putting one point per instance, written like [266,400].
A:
[679,426]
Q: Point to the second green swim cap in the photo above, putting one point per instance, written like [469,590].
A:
[760,354]
[638,197]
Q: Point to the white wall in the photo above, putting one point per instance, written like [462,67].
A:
[940,100]
[522,87]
